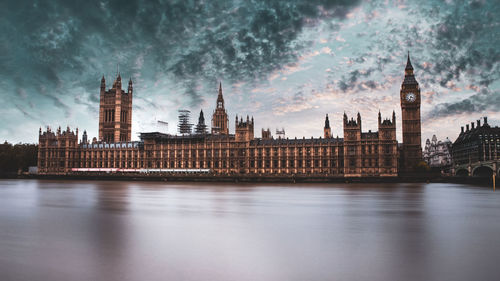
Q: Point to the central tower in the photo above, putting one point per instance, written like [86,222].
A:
[115,112]
[410,112]
[219,118]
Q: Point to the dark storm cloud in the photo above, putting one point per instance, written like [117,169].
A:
[351,81]
[480,102]
[463,47]
[51,42]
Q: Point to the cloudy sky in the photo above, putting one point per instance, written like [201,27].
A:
[286,62]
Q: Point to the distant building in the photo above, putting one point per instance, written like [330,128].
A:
[477,143]
[438,153]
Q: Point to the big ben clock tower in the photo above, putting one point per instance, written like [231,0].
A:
[410,112]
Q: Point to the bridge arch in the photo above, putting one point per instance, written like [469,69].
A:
[462,173]
[482,171]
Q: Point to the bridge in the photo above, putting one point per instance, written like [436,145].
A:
[478,169]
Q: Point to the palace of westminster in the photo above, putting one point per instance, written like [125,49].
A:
[219,152]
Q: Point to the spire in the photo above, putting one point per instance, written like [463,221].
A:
[220,99]
[103,83]
[118,82]
[327,122]
[130,87]
[201,118]
[201,128]
[379,117]
[408,63]
[409,77]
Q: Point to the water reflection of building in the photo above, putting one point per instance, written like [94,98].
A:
[438,153]
[358,154]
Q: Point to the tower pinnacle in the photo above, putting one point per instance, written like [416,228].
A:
[408,63]
[220,98]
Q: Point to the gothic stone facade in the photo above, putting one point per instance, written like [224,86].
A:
[438,153]
[115,112]
[410,114]
[358,154]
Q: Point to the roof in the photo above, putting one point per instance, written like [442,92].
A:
[281,141]
[190,137]
[410,80]
[369,135]
[408,63]
[477,133]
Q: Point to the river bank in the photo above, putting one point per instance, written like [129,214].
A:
[411,178]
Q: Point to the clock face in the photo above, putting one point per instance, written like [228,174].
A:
[410,97]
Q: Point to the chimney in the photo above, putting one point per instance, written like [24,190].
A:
[472,125]
[467,127]
[478,123]
[485,120]
[462,129]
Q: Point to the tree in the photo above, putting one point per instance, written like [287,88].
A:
[17,157]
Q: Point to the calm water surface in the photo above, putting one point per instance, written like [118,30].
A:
[91,230]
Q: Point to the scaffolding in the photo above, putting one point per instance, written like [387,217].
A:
[280,133]
[184,126]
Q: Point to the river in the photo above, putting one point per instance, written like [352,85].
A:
[114,230]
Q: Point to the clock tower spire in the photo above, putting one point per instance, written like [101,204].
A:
[410,112]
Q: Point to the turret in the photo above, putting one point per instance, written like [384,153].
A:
[220,98]
[201,128]
[243,130]
[327,130]
[84,137]
[201,119]
[130,88]
[379,118]
[118,82]
[103,84]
